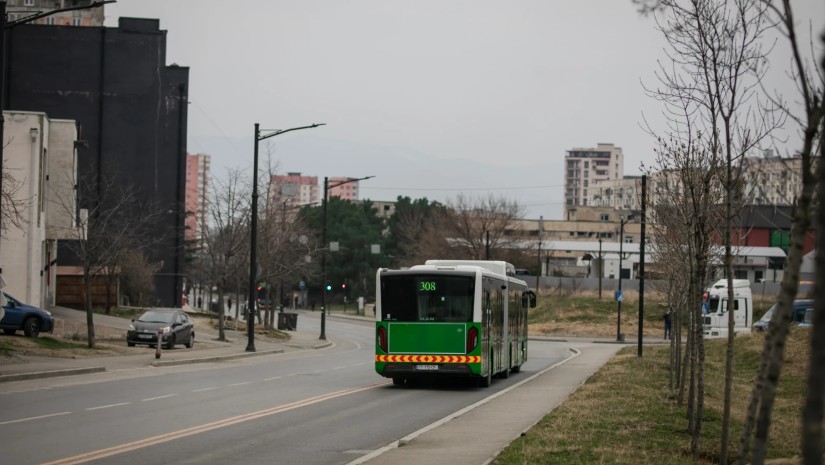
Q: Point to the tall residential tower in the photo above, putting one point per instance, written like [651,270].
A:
[583,166]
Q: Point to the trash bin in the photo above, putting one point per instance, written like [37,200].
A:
[287,321]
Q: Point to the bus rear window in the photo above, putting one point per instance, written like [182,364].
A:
[427,298]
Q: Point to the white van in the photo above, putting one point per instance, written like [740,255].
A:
[716,308]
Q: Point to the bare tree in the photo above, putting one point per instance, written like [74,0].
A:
[479,225]
[284,239]
[686,209]
[137,273]
[810,124]
[12,204]
[225,236]
[416,232]
[814,410]
[116,219]
[718,64]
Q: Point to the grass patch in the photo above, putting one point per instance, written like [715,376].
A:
[50,343]
[585,314]
[6,347]
[626,414]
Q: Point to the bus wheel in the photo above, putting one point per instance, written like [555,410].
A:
[516,369]
[487,380]
[397,380]
[505,374]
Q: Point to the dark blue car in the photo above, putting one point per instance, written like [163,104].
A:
[800,307]
[27,318]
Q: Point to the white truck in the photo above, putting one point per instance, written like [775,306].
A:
[716,308]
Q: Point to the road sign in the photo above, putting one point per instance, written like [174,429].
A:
[618,296]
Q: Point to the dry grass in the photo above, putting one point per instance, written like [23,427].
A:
[626,414]
[585,314]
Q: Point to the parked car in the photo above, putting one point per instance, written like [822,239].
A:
[27,318]
[176,326]
[807,318]
[800,307]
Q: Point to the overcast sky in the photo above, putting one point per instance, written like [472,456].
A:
[433,97]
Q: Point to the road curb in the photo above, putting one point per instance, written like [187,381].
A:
[50,374]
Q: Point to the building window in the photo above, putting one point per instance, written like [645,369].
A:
[50,20]
[76,21]
[28,2]
[604,217]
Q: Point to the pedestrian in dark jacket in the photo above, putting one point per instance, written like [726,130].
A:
[668,319]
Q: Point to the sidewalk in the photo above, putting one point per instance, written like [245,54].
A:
[477,433]
[207,349]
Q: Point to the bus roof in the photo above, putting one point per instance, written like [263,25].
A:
[496,266]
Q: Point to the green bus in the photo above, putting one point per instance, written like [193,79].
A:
[459,318]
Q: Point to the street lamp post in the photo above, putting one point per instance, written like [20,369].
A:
[253,236]
[619,296]
[327,187]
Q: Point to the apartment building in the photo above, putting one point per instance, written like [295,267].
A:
[295,189]
[772,180]
[348,191]
[20,9]
[586,166]
[624,193]
[196,197]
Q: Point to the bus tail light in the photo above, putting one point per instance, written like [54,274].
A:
[382,338]
[472,339]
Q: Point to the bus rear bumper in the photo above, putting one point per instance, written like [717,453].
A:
[410,370]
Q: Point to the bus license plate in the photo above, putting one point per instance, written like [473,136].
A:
[426,367]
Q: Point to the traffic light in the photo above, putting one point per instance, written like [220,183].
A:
[329,287]
[344,286]
[261,292]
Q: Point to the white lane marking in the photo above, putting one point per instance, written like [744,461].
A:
[273,379]
[158,397]
[33,418]
[206,389]
[108,406]
[174,435]
[340,367]
[239,384]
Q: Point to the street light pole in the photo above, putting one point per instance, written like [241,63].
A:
[327,187]
[620,297]
[253,239]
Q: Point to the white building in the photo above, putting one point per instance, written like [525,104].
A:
[585,166]
[39,155]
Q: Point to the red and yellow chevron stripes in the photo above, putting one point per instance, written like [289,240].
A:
[429,358]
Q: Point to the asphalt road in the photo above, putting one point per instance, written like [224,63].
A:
[309,407]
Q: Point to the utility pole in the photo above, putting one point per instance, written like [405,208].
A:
[253,233]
